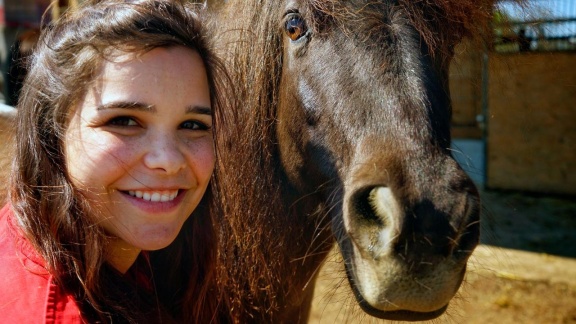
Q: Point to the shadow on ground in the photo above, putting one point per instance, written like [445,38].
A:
[532,223]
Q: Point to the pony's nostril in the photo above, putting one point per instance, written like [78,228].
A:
[375,205]
[364,210]
[371,221]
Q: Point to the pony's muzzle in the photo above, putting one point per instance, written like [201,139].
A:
[408,255]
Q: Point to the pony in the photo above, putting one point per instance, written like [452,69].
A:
[342,134]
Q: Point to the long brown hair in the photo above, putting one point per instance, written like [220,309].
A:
[53,214]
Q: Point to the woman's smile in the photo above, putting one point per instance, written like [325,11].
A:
[154,196]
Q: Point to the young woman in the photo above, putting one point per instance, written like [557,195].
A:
[109,217]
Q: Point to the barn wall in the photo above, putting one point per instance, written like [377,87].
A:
[531,139]
[466,91]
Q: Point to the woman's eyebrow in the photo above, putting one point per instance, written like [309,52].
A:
[127,105]
[203,110]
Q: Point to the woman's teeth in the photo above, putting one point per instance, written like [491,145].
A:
[154,196]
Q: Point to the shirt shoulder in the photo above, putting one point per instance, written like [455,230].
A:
[29,292]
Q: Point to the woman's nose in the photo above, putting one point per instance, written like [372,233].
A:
[165,154]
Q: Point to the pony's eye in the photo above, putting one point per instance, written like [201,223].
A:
[295,27]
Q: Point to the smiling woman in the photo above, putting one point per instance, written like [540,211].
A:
[109,212]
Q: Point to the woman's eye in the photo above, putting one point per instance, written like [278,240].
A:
[194,125]
[123,121]
[295,27]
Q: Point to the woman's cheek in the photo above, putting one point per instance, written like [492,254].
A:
[96,158]
[203,158]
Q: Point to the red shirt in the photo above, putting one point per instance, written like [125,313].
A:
[28,293]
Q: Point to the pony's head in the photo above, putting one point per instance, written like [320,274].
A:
[364,122]
[347,118]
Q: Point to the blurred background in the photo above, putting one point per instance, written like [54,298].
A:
[515,100]
[20,23]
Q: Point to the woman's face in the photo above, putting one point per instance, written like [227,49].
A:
[140,148]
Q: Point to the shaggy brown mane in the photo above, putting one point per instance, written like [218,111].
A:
[443,23]
[257,220]
[440,23]
[246,163]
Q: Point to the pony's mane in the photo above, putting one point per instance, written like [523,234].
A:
[249,189]
[443,23]
[257,219]
[440,23]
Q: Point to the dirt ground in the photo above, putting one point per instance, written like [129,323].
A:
[524,271]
